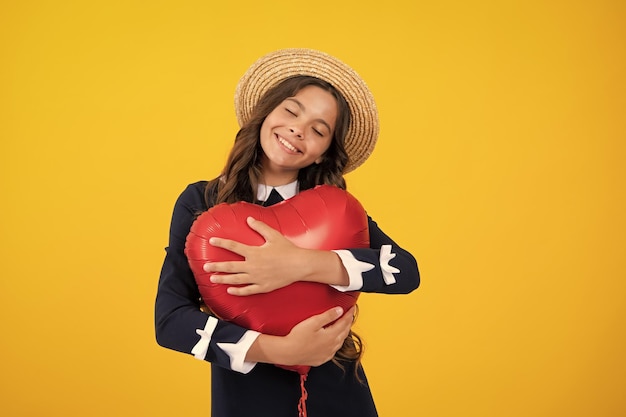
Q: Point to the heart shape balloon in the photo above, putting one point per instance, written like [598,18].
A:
[324,217]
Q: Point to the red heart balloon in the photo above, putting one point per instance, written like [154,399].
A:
[324,217]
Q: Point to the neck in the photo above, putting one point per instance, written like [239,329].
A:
[276,177]
[277,182]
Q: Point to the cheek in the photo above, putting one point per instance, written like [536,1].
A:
[266,127]
[323,146]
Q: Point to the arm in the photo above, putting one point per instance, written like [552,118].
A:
[383,267]
[179,323]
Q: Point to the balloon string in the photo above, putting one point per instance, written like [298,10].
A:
[303,397]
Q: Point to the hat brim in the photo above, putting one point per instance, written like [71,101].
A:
[274,67]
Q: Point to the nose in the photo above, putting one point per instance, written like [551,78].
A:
[296,131]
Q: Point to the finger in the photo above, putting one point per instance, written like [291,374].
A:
[346,320]
[230,267]
[342,325]
[261,228]
[231,279]
[327,317]
[231,245]
[244,291]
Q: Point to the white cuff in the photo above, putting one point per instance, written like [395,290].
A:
[237,352]
[202,347]
[388,270]
[355,270]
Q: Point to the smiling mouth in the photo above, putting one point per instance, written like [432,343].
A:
[287,145]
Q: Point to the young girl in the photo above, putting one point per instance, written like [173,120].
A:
[306,119]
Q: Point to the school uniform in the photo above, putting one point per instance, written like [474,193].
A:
[240,388]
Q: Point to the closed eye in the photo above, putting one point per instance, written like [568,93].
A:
[290,112]
[318,132]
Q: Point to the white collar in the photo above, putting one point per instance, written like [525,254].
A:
[286,191]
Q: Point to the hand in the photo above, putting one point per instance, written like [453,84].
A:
[273,265]
[315,342]
[312,342]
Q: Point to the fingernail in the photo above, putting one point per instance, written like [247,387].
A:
[206,267]
[214,279]
[212,241]
[339,311]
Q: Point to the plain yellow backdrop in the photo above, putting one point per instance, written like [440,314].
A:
[500,165]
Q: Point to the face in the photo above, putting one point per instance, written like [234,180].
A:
[297,133]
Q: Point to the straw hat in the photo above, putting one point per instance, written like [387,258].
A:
[274,67]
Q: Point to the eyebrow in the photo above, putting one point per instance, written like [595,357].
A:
[322,121]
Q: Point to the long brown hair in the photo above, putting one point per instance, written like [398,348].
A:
[243,170]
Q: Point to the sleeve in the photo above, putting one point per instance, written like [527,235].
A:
[179,323]
[384,267]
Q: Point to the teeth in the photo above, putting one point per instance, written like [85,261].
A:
[287,144]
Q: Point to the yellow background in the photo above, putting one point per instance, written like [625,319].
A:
[500,165]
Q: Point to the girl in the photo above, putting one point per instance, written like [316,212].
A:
[307,118]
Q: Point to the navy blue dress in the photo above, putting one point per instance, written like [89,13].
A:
[266,390]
